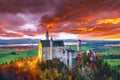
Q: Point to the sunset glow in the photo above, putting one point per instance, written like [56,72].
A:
[69,19]
[112,21]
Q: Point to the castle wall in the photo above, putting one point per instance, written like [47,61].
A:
[58,52]
[46,53]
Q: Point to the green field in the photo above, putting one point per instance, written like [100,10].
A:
[19,55]
[113,62]
[84,48]
[73,47]
[112,50]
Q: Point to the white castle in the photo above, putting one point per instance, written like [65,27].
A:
[49,49]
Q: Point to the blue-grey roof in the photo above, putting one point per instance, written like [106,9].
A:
[69,50]
[46,43]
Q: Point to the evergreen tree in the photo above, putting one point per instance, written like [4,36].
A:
[84,59]
[1,75]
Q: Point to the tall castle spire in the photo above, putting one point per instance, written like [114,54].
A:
[51,49]
[79,46]
[47,35]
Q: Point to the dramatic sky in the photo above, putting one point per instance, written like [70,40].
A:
[64,19]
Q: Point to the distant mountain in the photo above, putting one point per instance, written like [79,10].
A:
[19,41]
[27,41]
[33,41]
[70,40]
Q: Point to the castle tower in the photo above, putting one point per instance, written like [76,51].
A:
[47,35]
[40,51]
[79,47]
[70,60]
[51,49]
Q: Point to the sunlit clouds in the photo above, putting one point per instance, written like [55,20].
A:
[110,21]
[64,19]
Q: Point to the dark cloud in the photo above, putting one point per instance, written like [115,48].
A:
[74,10]
[10,21]
[23,6]
[83,17]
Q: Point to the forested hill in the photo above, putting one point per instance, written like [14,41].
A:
[31,69]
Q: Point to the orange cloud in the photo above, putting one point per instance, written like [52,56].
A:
[106,21]
[92,19]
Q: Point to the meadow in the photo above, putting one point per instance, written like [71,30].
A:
[113,62]
[111,50]
[11,55]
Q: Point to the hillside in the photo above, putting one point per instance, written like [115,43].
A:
[31,69]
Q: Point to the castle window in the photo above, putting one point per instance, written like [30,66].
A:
[59,51]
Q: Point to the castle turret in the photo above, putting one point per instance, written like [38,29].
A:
[40,50]
[79,47]
[47,35]
[51,49]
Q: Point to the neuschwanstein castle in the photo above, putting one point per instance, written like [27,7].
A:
[49,49]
